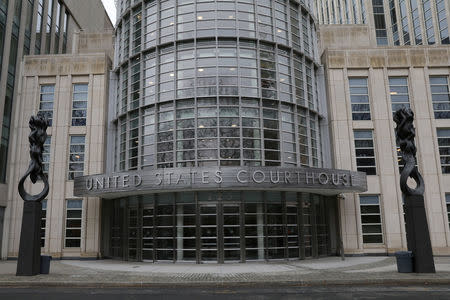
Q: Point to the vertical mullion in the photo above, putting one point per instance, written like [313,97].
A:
[242,227]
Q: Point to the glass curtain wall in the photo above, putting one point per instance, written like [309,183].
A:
[219,91]
[229,226]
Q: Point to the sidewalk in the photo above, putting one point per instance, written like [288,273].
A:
[324,271]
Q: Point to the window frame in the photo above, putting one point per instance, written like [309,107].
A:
[380,224]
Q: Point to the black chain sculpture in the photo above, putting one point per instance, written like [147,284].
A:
[405,134]
[416,224]
[37,137]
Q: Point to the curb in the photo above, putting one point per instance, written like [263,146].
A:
[199,284]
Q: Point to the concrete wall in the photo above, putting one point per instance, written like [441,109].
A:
[416,63]
[99,42]
[63,71]
[90,14]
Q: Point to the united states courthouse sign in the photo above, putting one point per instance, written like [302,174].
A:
[314,180]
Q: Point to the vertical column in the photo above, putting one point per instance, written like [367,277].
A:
[179,250]
[384,141]
[260,229]
[428,157]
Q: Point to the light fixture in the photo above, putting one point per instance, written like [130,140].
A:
[282,79]
[201,126]
[232,69]
[233,125]
[200,70]
[151,83]
[77,156]
[199,17]
[171,74]
[278,30]
[171,23]
[393,93]
[230,17]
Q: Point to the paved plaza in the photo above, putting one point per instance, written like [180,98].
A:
[326,271]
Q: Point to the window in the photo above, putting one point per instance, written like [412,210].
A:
[40,11]
[65,27]
[404,20]
[394,23]
[440,96]
[73,223]
[28,26]
[443,136]
[447,201]
[79,104]
[137,21]
[49,27]
[428,16]
[371,219]
[57,23]
[365,154]
[380,23]
[416,21]
[398,89]
[43,221]
[359,97]
[76,157]
[442,21]
[363,11]
[47,95]
[46,156]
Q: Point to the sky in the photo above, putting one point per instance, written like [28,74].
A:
[111,9]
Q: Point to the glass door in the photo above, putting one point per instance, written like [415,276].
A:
[231,232]
[165,232]
[307,227]
[147,233]
[208,232]
[132,233]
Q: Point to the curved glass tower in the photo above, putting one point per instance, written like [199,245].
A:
[208,88]
[216,83]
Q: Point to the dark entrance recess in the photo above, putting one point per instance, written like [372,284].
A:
[219,227]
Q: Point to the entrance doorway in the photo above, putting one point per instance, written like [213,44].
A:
[220,227]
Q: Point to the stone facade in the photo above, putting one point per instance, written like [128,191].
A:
[62,71]
[417,64]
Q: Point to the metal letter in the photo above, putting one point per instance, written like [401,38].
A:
[271,177]
[205,177]
[158,176]
[125,179]
[326,177]
[137,180]
[89,187]
[239,179]
[218,178]
[309,176]
[263,176]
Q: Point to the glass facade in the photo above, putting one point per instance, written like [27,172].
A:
[412,22]
[205,85]
[217,84]
[228,226]
[38,13]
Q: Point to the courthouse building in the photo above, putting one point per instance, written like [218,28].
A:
[217,140]
[61,61]
[238,130]
[380,56]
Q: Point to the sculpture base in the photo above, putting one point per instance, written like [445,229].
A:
[28,263]
[418,235]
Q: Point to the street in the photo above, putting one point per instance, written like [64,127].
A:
[196,293]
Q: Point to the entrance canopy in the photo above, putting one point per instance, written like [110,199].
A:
[312,180]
